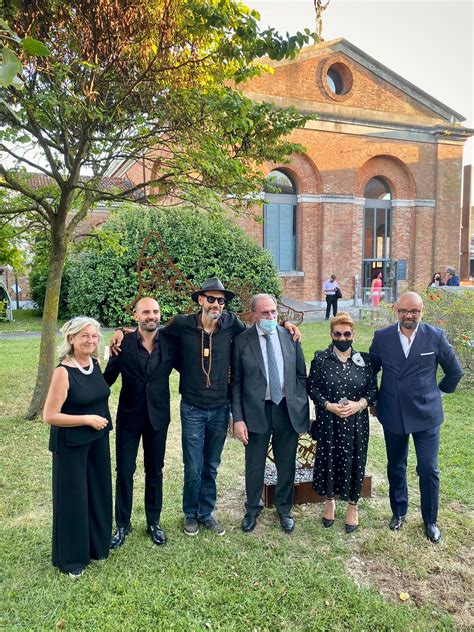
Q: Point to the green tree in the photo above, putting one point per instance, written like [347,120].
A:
[148,81]
[11,253]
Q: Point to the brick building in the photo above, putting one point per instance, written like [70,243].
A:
[378,187]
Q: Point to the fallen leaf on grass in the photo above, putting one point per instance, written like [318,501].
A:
[403,596]
[61,624]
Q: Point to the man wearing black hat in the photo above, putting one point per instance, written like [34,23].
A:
[204,342]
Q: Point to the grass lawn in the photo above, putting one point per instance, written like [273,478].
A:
[24,320]
[315,579]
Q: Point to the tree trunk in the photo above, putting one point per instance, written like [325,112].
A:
[50,322]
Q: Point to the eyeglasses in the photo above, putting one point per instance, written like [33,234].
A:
[212,299]
[338,334]
[405,312]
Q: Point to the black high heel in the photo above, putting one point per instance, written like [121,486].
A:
[327,522]
[350,528]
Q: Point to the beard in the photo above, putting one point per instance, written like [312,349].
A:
[150,325]
[212,313]
[409,324]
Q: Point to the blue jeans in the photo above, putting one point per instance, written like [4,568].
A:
[204,431]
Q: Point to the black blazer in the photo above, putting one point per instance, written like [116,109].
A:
[249,381]
[140,395]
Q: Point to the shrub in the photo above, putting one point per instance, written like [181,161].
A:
[453,311]
[3,310]
[103,276]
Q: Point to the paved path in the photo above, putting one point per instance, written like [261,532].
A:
[313,313]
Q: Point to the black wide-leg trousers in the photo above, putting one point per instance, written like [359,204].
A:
[82,503]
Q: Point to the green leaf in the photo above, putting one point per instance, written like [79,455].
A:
[6,29]
[34,47]
[10,67]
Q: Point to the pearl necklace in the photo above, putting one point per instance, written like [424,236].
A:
[81,369]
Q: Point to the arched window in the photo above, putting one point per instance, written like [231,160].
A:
[377,240]
[378,189]
[279,213]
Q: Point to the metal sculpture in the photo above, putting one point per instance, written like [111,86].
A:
[159,275]
[320,8]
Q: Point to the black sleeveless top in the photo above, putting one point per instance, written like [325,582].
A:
[87,395]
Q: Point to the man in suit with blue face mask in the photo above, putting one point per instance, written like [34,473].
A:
[268,386]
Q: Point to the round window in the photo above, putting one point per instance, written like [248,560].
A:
[339,79]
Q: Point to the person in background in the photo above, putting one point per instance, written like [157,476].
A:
[453,278]
[409,403]
[436,281]
[77,409]
[376,290]
[342,385]
[330,289]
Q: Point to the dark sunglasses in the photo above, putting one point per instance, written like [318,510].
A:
[338,334]
[213,299]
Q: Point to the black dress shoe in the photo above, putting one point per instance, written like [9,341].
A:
[157,534]
[432,533]
[249,523]
[396,523]
[350,528]
[327,522]
[287,523]
[119,537]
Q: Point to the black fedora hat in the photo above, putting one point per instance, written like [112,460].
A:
[212,285]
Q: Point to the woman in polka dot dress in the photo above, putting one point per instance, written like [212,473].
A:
[342,385]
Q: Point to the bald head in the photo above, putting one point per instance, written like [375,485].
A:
[409,310]
[410,297]
[147,314]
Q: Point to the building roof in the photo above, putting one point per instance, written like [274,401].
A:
[345,47]
[108,184]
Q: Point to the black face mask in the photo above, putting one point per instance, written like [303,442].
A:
[342,345]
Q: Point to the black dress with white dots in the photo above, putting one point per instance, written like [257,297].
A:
[341,452]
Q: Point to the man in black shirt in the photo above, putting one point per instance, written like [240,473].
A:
[143,412]
[204,342]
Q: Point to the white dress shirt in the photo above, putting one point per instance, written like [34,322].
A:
[330,287]
[275,340]
[407,343]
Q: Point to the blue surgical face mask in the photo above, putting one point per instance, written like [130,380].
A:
[267,325]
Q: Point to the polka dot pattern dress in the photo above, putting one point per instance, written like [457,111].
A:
[341,452]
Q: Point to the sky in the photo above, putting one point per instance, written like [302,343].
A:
[429,43]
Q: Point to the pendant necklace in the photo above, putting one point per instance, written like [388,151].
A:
[81,369]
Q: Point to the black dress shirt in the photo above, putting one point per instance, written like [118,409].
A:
[197,388]
[148,361]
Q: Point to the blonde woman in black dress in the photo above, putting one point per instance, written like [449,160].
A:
[342,385]
[77,410]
